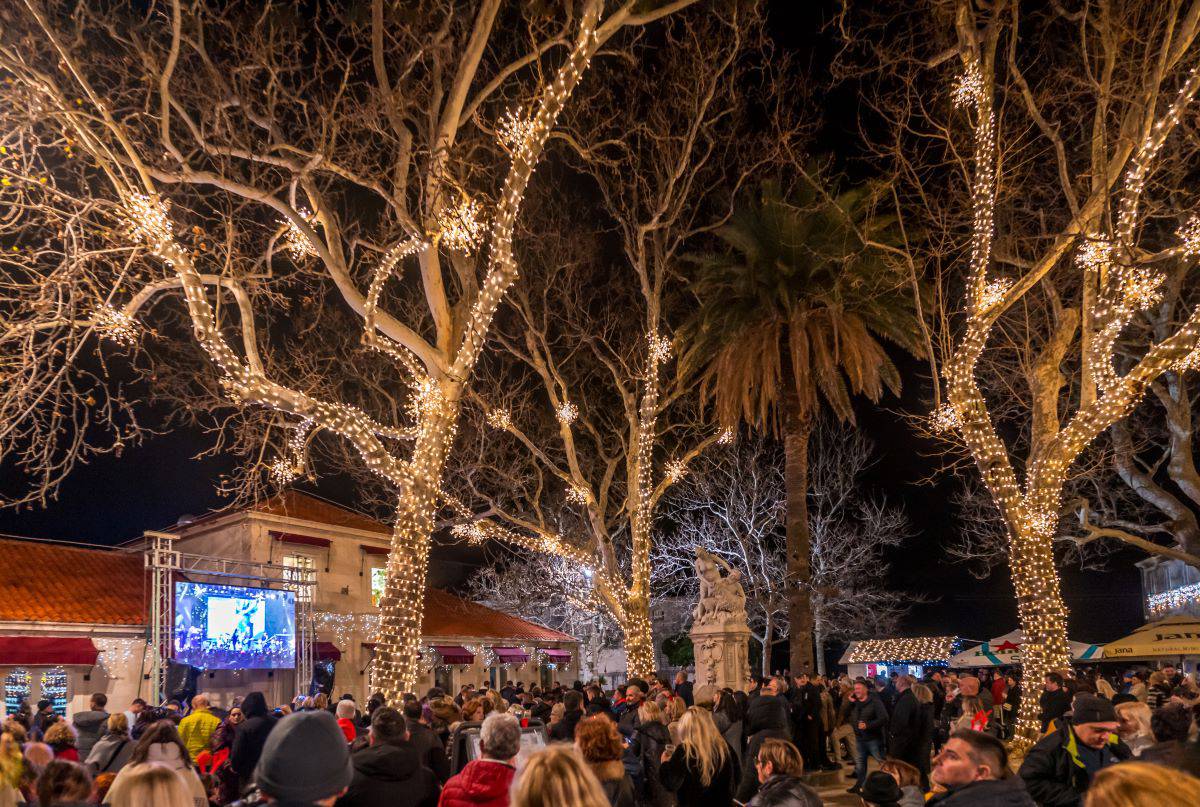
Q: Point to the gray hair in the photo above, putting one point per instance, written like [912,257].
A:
[500,736]
[346,709]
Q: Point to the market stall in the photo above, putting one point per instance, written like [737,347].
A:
[1174,639]
[1005,651]
[874,657]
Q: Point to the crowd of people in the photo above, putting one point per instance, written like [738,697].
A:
[649,743]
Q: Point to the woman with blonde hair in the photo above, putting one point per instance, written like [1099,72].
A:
[557,777]
[702,769]
[148,783]
[1134,726]
[1142,784]
[1105,689]
[112,751]
[674,713]
[12,770]
[61,738]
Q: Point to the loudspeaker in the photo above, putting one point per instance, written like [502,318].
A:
[181,681]
[322,680]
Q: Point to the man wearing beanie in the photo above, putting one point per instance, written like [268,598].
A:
[1061,766]
[305,762]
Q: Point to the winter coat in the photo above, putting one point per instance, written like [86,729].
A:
[65,751]
[482,783]
[904,729]
[766,718]
[1053,771]
[428,745]
[564,730]
[389,775]
[110,753]
[733,735]
[168,754]
[196,731]
[682,778]
[685,691]
[251,736]
[785,791]
[349,730]
[89,727]
[1157,695]
[1008,792]
[911,796]
[649,742]
[617,785]
[1054,705]
[873,714]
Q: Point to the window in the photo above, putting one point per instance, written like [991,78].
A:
[54,689]
[16,690]
[301,567]
[378,578]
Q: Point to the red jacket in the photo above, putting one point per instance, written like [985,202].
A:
[347,727]
[483,783]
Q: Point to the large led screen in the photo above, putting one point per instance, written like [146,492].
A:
[234,628]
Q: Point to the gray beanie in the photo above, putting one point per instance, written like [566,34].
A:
[305,759]
[1090,709]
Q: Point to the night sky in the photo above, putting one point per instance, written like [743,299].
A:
[150,487]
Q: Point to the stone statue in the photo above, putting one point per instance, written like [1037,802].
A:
[722,599]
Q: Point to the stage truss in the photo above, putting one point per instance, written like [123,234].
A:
[166,565]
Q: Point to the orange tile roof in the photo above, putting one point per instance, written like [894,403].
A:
[448,615]
[294,504]
[47,582]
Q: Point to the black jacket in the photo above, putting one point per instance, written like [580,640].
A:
[648,743]
[390,776]
[564,730]
[683,779]
[766,718]
[428,745]
[251,736]
[1054,705]
[684,691]
[904,729]
[1053,774]
[988,793]
[785,791]
[871,712]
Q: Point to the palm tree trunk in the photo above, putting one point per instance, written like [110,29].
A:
[768,642]
[797,429]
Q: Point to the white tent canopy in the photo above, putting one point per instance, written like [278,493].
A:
[1005,651]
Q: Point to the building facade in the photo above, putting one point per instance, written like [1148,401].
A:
[1170,588]
[100,599]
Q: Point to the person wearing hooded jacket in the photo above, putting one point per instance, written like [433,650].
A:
[388,772]
[251,737]
[1059,769]
[161,743]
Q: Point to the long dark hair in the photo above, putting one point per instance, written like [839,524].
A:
[727,706]
[255,705]
[161,733]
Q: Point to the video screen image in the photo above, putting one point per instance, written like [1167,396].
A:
[234,628]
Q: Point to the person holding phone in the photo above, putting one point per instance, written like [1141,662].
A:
[869,718]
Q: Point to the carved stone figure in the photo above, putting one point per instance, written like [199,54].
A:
[719,632]
[722,599]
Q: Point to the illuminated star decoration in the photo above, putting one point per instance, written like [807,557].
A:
[578,494]
[945,419]
[659,347]
[296,241]
[500,419]
[1189,235]
[116,325]
[567,412]
[462,226]
[514,129]
[676,470]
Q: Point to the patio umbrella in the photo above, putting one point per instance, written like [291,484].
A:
[1173,636]
[1005,651]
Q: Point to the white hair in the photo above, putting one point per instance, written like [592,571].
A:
[346,708]
[500,736]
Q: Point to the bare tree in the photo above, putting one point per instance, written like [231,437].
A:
[240,156]
[1052,234]
[733,504]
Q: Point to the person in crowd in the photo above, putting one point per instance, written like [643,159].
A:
[149,783]
[907,724]
[1157,690]
[869,718]
[136,707]
[1133,720]
[12,768]
[37,757]
[1174,678]
[674,713]
[1171,726]
[102,782]
[111,752]
[1137,784]
[443,714]
[485,782]
[251,736]
[61,739]
[972,715]
[880,790]
[702,768]
[1059,769]
[1012,704]
[926,728]
[779,767]
[766,719]
[161,743]
[42,719]
[908,779]
[885,687]
[304,761]
[214,761]
[90,724]
[64,783]
[843,731]
[599,743]
[972,767]
[635,696]
[555,777]
[464,694]
[389,772]
[345,712]
[472,711]
[426,742]
[1104,689]
[1055,701]
[805,709]
[648,743]
[198,727]
[564,730]
[597,703]
[683,688]
[727,708]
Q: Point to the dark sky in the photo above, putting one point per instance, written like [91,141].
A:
[151,486]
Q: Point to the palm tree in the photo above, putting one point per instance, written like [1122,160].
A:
[814,278]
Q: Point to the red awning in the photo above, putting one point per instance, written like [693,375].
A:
[304,540]
[555,655]
[49,650]
[510,655]
[326,651]
[373,550]
[454,654]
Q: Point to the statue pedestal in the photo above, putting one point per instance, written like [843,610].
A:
[722,654]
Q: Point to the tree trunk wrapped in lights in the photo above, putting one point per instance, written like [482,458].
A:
[133,132]
[1115,268]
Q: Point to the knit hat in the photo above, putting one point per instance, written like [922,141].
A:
[1091,709]
[304,759]
[881,788]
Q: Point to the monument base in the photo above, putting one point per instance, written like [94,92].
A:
[722,655]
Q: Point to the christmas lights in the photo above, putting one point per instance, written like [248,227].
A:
[676,470]
[500,419]
[726,436]
[579,494]
[1173,599]
[461,226]
[567,412]
[659,348]
[147,220]
[946,419]
[921,649]
[1189,237]
[295,240]
[116,325]
[514,130]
